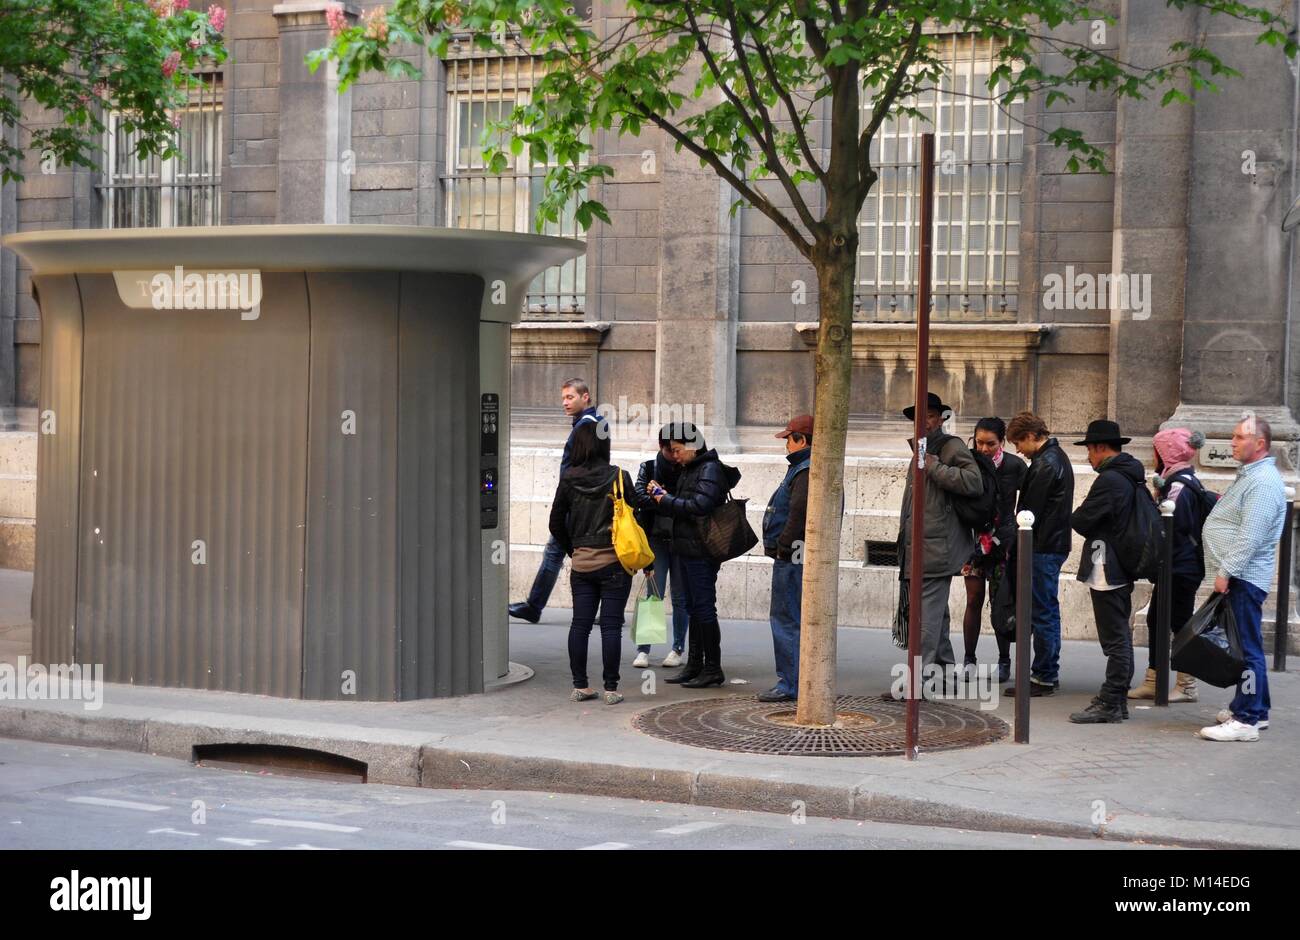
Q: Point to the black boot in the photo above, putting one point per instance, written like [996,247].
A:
[1100,711]
[712,672]
[694,656]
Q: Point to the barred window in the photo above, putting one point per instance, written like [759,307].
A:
[483,90]
[978,156]
[185,190]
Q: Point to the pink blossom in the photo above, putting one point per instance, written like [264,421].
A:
[171,64]
[163,8]
[178,5]
[377,24]
[217,17]
[335,18]
[195,42]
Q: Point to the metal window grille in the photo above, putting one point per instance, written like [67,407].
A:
[978,149]
[483,89]
[185,190]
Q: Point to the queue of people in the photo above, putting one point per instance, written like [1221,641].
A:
[972,497]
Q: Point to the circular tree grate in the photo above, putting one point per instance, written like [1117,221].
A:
[872,726]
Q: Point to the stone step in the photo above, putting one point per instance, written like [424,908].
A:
[17,496]
[18,453]
[18,543]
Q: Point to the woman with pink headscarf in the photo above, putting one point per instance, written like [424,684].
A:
[1176,480]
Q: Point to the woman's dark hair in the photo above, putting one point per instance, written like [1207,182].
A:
[996,425]
[588,445]
[682,433]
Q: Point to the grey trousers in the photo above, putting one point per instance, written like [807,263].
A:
[936,647]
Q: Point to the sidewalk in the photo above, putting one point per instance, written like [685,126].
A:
[1158,783]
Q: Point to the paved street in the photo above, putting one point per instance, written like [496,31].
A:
[58,797]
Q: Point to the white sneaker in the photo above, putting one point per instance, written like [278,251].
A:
[1224,716]
[1231,730]
[673,658]
[642,660]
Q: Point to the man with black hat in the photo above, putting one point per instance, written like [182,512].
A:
[783,530]
[1101,519]
[950,471]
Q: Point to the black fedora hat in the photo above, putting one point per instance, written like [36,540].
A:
[933,403]
[1103,432]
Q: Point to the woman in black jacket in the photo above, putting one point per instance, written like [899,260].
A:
[989,561]
[659,531]
[702,487]
[582,518]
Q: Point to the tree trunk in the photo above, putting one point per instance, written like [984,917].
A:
[821,556]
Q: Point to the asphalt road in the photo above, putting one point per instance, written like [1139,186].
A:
[60,797]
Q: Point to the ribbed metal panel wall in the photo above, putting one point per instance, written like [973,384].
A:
[351,578]
[58,462]
[195,428]
[441,651]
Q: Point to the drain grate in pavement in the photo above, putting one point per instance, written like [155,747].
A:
[870,726]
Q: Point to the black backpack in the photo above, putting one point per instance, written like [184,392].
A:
[1205,501]
[1139,545]
[977,512]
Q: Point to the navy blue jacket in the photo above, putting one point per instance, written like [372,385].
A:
[1189,558]
[591,413]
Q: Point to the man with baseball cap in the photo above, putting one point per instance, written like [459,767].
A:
[783,531]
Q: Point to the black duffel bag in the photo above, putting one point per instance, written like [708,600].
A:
[1209,646]
[725,532]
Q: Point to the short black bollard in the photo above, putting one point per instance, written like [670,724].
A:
[1024,615]
[1158,633]
[1282,626]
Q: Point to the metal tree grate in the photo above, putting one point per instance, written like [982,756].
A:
[747,725]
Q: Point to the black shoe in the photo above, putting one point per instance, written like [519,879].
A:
[694,659]
[1098,712]
[1123,708]
[775,695]
[525,611]
[706,678]
[1004,670]
[1036,690]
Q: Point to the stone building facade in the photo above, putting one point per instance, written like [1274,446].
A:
[682,304]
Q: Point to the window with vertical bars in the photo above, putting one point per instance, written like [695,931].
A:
[184,190]
[978,157]
[481,90]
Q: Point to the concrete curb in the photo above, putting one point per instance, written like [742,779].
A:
[405,758]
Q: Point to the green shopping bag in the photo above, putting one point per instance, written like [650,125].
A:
[649,626]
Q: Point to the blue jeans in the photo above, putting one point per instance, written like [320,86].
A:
[787,598]
[668,577]
[605,590]
[547,575]
[1247,602]
[1046,665]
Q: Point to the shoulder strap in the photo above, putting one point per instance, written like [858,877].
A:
[618,483]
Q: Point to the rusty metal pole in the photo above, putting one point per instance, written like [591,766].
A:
[918,463]
[1282,624]
[1158,634]
[1024,616]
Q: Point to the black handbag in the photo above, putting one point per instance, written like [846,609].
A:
[1002,605]
[1209,646]
[726,533]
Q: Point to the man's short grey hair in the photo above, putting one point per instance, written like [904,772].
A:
[578,385]
[1259,427]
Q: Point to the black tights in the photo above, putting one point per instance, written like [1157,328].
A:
[970,625]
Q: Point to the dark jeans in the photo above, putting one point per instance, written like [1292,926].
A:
[1247,602]
[700,580]
[1111,611]
[547,575]
[784,615]
[667,577]
[1181,608]
[606,590]
[1046,619]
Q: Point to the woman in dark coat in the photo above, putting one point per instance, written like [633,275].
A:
[701,488]
[988,562]
[582,519]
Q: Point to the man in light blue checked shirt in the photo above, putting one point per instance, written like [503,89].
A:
[1240,538]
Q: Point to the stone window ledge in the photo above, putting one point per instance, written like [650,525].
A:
[871,340]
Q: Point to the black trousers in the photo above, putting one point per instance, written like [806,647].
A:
[605,591]
[1181,608]
[1111,611]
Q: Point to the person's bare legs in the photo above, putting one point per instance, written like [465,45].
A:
[975,587]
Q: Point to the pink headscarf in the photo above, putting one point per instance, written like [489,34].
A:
[1175,449]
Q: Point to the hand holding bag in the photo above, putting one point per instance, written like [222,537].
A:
[649,625]
[630,542]
[1208,646]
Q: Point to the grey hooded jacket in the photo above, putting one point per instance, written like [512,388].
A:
[948,544]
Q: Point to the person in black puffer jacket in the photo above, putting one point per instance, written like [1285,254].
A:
[659,530]
[582,518]
[702,487]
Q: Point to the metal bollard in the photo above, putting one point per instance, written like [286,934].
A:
[1282,626]
[1024,614]
[1158,635]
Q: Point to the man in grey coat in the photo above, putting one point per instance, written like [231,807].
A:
[950,471]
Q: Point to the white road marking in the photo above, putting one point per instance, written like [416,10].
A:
[175,832]
[687,828]
[306,824]
[604,845]
[119,804]
[250,842]
[304,845]
[461,844]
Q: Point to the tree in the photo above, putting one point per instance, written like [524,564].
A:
[84,58]
[756,72]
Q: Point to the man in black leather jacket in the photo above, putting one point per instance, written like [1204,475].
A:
[1047,492]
